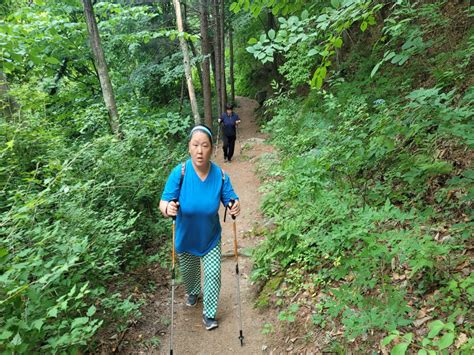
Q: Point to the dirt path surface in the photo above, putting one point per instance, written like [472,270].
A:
[151,333]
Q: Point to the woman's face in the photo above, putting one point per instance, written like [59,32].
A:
[200,149]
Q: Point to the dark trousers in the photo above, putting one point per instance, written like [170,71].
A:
[229,144]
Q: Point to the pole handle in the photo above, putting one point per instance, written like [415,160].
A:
[175,200]
[231,203]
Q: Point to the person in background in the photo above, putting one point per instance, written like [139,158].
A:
[199,186]
[229,121]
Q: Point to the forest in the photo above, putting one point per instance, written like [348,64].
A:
[367,192]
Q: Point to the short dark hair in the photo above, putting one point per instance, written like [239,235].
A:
[229,106]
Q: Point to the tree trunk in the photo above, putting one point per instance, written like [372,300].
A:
[101,64]
[217,57]
[206,74]
[222,48]
[191,44]
[7,105]
[59,75]
[181,99]
[187,65]
[231,66]
[272,25]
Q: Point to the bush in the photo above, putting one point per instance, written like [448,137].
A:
[74,213]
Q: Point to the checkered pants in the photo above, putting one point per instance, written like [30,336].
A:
[190,267]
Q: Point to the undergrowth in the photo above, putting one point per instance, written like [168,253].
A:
[371,195]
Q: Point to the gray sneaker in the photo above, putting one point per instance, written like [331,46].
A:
[192,300]
[209,323]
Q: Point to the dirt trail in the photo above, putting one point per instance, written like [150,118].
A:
[151,336]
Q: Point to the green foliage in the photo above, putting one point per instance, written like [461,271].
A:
[359,188]
[290,314]
[402,34]
[440,337]
[252,75]
[255,7]
[321,34]
[268,328]
[77,207]
[73,215]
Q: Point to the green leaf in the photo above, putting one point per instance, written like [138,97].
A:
[3,252]
[79,322]
[91,311]
[435,327]
[312,52]
[37,324]
[6,334]
[399,349]
[304,15]
[446,341]
[53,312]
[72,291]
[388,339]
[376,68]
[422,352]
[252,40]
[271,34]
[16,340]
[449,326]
[52,60]
[338,42]
[389,55]
[8,67]
[363,26]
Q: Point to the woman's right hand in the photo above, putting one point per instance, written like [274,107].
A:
[172,208]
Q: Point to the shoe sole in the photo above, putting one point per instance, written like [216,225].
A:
[214,326]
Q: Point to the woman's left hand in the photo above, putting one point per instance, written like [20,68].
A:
[235,210]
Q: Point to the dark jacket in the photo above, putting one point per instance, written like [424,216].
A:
[228,124]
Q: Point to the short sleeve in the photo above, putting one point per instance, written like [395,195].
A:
[228,191]
[171,190]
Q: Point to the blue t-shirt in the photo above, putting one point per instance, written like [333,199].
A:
[198,229]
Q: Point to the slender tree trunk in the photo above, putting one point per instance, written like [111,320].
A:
[213,65]
[206,74]
[222,48]
[217,57]
[7,105]
[191,45]
[181,99]
[187,65]
[61,72]
[101,65]
[272,24]
[231,66]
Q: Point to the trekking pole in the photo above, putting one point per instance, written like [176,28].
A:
[238,138]
[237,274]
[173,276]
[217,139]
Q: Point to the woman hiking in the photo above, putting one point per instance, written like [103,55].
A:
[229,120]
[199,185]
